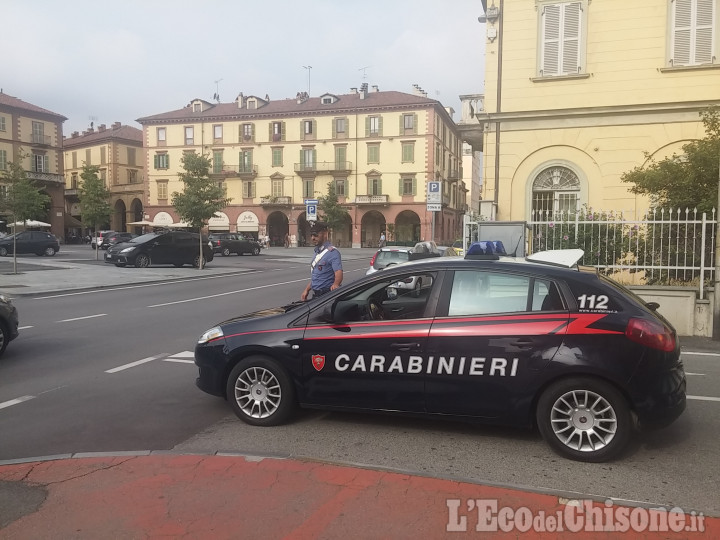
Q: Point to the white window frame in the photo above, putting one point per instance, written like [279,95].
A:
[693,38]
[2,124]
[277,187]
[3,160]
[562,38]
[189,135]
[162,189]
[218,132]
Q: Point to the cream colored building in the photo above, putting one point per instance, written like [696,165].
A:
[118,152]
[380,149]
[35,133]
[579,92]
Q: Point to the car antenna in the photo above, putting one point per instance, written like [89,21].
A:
[514,253]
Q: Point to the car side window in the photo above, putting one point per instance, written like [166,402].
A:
[477,292]
[164,240]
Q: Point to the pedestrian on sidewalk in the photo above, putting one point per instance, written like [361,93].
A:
[326,272]
[381,244]
[287,240]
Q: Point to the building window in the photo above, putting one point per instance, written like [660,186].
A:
[373,126]
[40,163]
[132,176]
[373,153]
[189,135]
[217,161]
[408,152]
[3,160]
[74,160]
[554,190]
[88,160]
[408,185]
[408,124]
[375,186]
[246,161]
[131,156]
[2,123]
[307,159]
[277,131]
[161,136]
[277,188]
[38,133]
[308,188]
[197,107]
[340,128]
[217,132]
[340,187]
[162,161]
[277,157]
[249,189]
[308,129]
[693,32]
[562,31]
[247,132]
[103,155]
[341,158]
[162,189]
[74,181]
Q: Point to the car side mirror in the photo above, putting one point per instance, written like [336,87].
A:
[652,305]
[343,312]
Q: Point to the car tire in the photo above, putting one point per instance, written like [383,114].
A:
[4,337]
[120,265]
[142,261]
[256,251]
[225,252]
[260,392]
[584,419]
[196,261]
[49,251]
[4,251]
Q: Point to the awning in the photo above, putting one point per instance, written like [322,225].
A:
[71,222]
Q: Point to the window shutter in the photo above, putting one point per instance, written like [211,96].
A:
[303,135]
[401,183]
[682,23]
[379,185]
[380,126]
[167,161]
[550,40]
[46,163]
[302,158]
[415,124]
[314,127]
[414,186]
[156,160]
[367,126]
[270,132]
[249,159]
[282,131]
[571,38]
[314,157]
[401,131]
[704,32]
[252,131]
[334,128]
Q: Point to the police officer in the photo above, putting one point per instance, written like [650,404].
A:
[326,273]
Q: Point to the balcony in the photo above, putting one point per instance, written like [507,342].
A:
[455,174]
[244,171]
[330,167]
[371,199]
[275,201]
[472,120]
[50,178]
[38,139]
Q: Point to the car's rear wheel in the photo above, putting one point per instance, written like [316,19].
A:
[3,251]
[584,419]
[196,261]
[256,251]
[260,392]
[4,337]
[120,265]
[142,261]
[50,251]
[225,252]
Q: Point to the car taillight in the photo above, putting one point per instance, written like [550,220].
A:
[651,334]
[372,261]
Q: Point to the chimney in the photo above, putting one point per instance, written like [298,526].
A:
[363,90]
[375,88]
[75,134]
[116,125]
[353,90]
[91,129]
[240,100]
[102,127]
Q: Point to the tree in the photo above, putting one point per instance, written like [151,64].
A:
[94,200]
[684,181]
[201,197]
[21,199]
[335,214]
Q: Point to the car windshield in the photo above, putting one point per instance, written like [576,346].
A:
[143,238]
[391,257]
[458,244]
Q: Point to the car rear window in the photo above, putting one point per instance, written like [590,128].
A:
[599,296]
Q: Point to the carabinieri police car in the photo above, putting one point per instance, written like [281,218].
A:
[537,340]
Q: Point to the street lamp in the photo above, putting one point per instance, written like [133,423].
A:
[308,70]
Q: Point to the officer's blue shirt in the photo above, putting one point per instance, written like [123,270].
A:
[323,275]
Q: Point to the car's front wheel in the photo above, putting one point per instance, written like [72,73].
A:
[196,261]
[3,251]
[260,392]
[50,251]
[584,419]
[4,337]
[256,251]
[142,261]
[225,252]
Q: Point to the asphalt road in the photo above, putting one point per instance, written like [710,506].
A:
[111,370]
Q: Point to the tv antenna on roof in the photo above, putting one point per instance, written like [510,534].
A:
[364,70]
[216,97]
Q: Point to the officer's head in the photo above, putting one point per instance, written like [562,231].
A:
[319,233]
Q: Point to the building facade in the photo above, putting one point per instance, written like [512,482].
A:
[579,92]
[119,154]
[34,136]
[378,149]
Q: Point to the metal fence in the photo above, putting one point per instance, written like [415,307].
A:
[666,247]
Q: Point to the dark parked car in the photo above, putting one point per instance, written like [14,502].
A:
[228,243]
[489,339]
[116,238]
[172,247]
[8,322]
[37,242]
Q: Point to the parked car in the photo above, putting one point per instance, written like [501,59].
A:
[8,322]
[37,242]
[519,342]
[116,238]
[228,243]
[170,247]
[100,235]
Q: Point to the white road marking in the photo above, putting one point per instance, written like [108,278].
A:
[24,327]
[133,364]
[82,318]
[15,401]
[179,360]
[305,279]
[704,398]
[700,353]
[698,374]
[184,354]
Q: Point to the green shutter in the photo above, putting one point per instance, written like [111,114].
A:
[302,130]
[302,158]
[380,126]
[401,185]
[414,186]
[415,124]
[334,128]
[380,189]
[314,127]
[314,158]
[282,131]
[270,133]
[252,131]
[367,126]
[401,131]
[46,163]
[155,161]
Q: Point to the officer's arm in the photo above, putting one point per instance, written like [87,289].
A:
[338,280]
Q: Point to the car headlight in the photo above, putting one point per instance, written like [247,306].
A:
[214,333]
[128,249]
[5,299]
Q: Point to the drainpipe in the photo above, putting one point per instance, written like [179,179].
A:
[498,107]
[716,290]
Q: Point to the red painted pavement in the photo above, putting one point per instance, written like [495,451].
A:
[217,497]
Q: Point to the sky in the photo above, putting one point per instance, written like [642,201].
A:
[107,62]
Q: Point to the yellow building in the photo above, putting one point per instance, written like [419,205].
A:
[118,152]
[378,148]
[35,133]
[579,92]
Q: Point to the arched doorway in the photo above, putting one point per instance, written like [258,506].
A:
[407,227]
[136,211]
[277,228]
[372,224]
[119,218]
[342,233]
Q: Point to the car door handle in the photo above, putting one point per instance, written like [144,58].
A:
[524,343]
[405,346]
